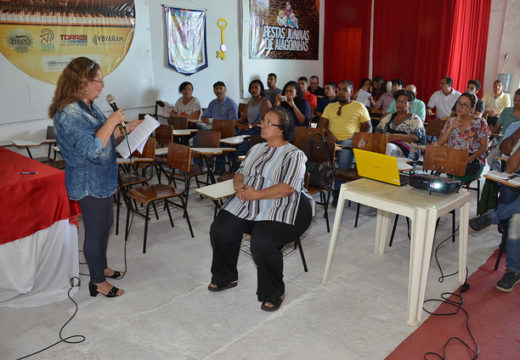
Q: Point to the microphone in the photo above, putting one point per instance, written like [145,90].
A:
[111,100]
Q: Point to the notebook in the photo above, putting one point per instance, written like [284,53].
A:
[379,167]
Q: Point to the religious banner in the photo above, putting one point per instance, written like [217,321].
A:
[284,29]
[186,34]
[41,37]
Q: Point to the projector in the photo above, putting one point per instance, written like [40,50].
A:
[434,183]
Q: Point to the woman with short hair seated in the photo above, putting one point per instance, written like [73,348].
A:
[403,127]
[467,131]
[187,105]
[270,203]
[291,99]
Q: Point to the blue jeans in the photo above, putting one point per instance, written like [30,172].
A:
[345,158]
[508,213]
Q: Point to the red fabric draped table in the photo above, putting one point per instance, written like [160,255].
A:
[39,236]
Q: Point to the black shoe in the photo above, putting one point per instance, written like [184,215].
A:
[93,291]
[508,281]
[276,303]
[215,288]
[116,275]
[480,222]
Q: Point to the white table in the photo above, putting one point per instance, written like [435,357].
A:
[184,132]
[423,209]
[234,140]
[217,192]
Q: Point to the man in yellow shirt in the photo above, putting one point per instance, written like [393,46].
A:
[341,120]
[495,102]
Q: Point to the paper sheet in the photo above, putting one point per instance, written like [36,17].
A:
[137,138]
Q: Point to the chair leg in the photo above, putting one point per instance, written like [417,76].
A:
[299,244]
[357,215]
[326,206]
[186,215]
[168,210]
[146,227]
[155,211]
[501,248]
[393,230]
[453,225]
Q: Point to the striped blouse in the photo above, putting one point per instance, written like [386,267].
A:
[265,166]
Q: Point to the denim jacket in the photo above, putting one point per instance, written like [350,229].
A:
[90,169]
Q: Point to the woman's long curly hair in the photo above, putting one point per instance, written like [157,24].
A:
[72,83]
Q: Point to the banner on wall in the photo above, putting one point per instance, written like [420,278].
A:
[284,29]
[41,38]
[186,34]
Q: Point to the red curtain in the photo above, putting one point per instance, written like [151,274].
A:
[347,40]
[469,42]
[417,41]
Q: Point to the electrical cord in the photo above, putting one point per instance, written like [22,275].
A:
[457,304]
[68,339]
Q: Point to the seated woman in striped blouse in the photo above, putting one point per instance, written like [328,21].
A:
[271,204]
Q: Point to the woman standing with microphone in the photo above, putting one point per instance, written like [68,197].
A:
[86,138]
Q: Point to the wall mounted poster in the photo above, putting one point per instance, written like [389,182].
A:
[41,37]
[186,34]
[284,29]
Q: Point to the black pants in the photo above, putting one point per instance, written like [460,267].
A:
[98,216]
[267,239]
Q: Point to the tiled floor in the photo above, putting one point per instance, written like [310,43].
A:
[167,312]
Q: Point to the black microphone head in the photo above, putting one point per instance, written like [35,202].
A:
[160,103]
[111,100]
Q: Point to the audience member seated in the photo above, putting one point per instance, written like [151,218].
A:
[507,216]
[315,88]
[467,131]
[363,95]
[417,107]
[509,115]
[386,99]
[378,89]
[307,95]
[495,102]
[272,90]
[330,97]
[221,108]
[493,162]
[340,121]
[444,99]
[403,127]
[270,203]
[256,108]
[298,107]
[187,105]
[473,87]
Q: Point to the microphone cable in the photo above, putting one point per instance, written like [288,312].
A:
[73,339]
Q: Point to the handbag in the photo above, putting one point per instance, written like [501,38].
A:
[319,164]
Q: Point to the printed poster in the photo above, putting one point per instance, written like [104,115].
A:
[41,37]
[186,34]
[284,29]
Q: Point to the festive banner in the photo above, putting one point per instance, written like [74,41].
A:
[186,34]
[40,38]
[284,29]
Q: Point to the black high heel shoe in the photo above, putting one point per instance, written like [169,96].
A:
[93,291]
[116,275]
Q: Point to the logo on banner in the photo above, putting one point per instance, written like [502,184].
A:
[46,38]
[107,40]
[19,40]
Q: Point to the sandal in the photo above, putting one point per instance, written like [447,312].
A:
[116,275]
[93,291]
[276,303]
[230,285]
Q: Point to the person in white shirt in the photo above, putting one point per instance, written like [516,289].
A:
[444,99]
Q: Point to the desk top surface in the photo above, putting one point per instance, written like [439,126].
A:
[218,190]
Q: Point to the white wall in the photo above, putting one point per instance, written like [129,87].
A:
[147,62]
[504,31]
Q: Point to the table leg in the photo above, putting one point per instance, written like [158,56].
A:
[423,231]
[384,219]
[334,234]
[463,241]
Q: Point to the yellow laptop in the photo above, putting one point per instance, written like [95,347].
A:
[379,167]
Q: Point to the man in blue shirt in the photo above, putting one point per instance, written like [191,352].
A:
[221,108]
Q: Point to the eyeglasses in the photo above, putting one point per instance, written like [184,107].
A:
[402,102]
[339,110]
[269,124]
[463,104]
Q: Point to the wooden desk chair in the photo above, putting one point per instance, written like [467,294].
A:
[179,158]
[178,122]
[242,110]
[434,128]
[164,135]
[225,127]
[302,134]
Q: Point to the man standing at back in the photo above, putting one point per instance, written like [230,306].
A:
[307,95]
[341,120]
[444,99]
[272,90]
[315,88]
